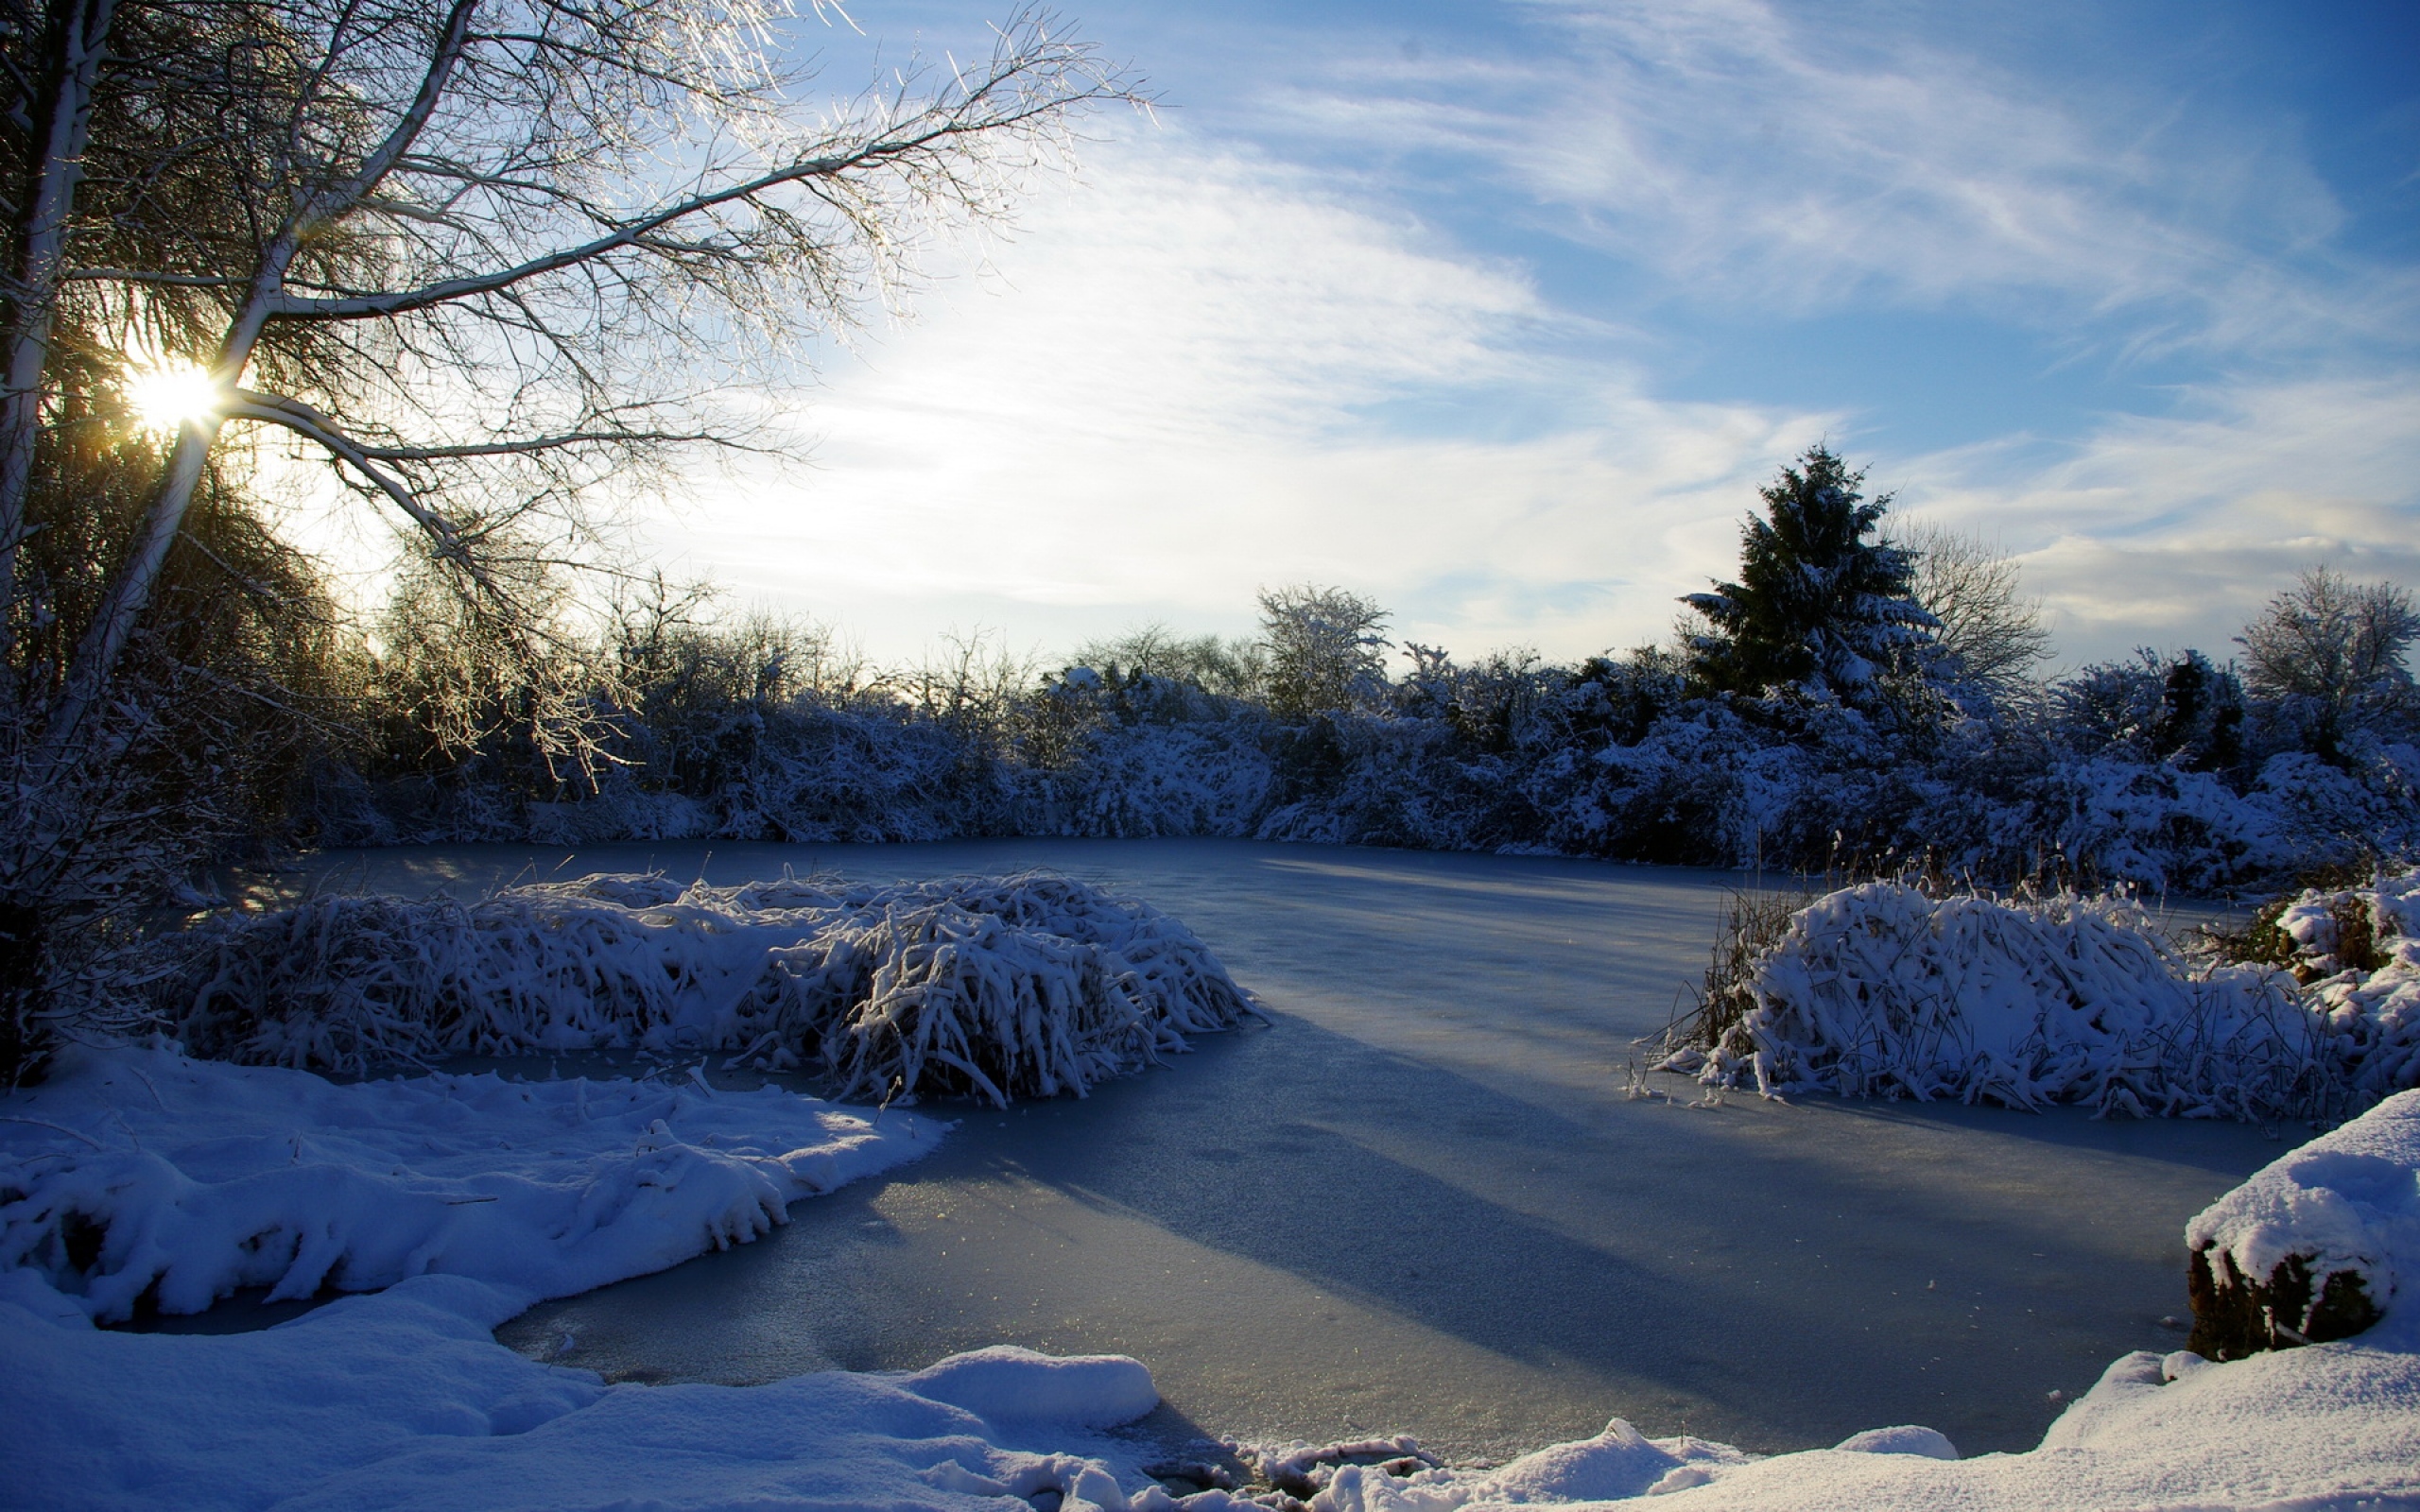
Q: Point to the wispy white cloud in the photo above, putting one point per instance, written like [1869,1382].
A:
[2173,531]
[1802,165]
[1190,378]
[1200,373]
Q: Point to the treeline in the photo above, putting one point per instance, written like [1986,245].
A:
[1850,700]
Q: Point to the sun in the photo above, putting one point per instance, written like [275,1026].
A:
[166,392]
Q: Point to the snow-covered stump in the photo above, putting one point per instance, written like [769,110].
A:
[1000,988]
[2315,1246]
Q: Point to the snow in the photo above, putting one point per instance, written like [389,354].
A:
[2346,1201]
[188,1179]
[2324,1426]
[1885,989]
[1002,986]
[401,1399]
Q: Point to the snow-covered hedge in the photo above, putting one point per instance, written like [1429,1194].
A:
[1001,988]
[1885,989]
[2317,1246]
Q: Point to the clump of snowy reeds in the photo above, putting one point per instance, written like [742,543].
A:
[1000,988]
[1888,989]
[1753,924]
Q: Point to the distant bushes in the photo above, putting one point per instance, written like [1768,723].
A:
[1849,700]
[1616,757]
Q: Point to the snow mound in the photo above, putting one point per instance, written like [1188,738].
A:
[2316,1246]
[402,1401]
[1883,990]
[142,1177]
[1008,1384]
[1025,985]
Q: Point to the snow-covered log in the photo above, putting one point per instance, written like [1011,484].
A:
[1031,985]
[2317,1246]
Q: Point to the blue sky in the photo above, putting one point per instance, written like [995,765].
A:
[1501,312]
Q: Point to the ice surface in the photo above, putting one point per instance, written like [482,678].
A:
[1421,1202]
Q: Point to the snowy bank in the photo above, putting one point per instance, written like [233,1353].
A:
[142,1178]
[1026,986]
[402,1398]
[1883,990]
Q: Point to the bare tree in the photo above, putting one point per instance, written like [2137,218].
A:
[545,235]
[1973,588]
[1233,668]
[2329,652]
[481,257]
[1324,649]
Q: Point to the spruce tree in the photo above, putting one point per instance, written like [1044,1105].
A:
[1819,607]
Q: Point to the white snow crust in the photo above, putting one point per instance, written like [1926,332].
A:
[188,1179]
[1031,985]
[402,1398]
[1883,990]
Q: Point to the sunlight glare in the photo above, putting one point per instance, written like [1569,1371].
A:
[166,392]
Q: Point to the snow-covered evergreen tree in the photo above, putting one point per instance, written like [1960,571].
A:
[1820,607]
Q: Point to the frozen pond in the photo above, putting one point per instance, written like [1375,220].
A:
[1421,1201]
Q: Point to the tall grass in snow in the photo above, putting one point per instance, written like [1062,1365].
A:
[997,987]
[1887,990]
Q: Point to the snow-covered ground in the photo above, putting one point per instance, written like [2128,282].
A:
[140,1178]
[401,1399]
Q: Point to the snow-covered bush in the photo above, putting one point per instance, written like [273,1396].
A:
[2156,771]
[1000,988]
[1885,989]
[2356,952]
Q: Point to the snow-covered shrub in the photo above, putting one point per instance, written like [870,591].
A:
[2317,1246]
[1882,989]
[2367,806]
[1002,988]
[2152,824]
[2357,950]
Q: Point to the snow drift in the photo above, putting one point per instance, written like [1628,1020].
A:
[1001,988]
[142,1177]
[1883,990]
